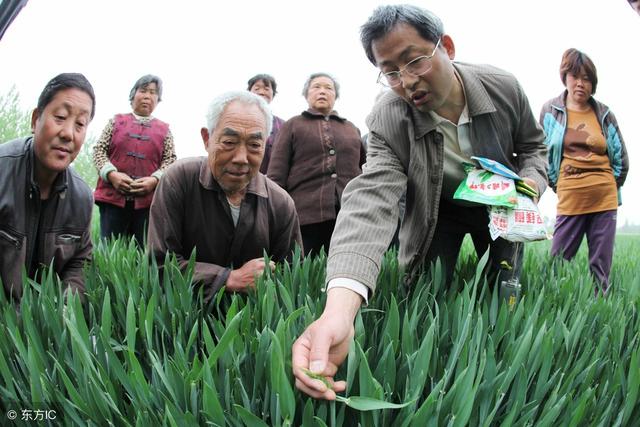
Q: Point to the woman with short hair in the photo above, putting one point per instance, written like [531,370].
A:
[316,154]
[265,86]
[588,164]
[131,155]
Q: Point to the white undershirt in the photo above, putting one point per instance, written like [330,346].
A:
[235,212]
[457,143]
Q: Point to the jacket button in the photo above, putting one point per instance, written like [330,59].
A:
[434,179]
[332,152]
[334,175]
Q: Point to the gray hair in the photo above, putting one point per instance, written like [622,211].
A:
[336,85]
[144,81]
[385,18]
[217,106]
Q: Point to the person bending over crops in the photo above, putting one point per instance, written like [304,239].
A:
[131,155]
[45,207]
[588,163]
[221,206]
[437,114]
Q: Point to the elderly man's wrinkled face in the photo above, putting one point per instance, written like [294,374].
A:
[236,147]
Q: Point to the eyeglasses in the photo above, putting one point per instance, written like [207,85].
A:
[419,66]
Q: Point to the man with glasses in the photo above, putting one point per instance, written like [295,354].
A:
[438,114]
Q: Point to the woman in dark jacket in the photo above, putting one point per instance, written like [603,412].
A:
[316,154]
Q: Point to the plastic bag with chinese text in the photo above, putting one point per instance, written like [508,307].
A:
[485,187]
[522,223]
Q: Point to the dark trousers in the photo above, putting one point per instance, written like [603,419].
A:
[123,222]
[316,236]
[454,222]
[600,228]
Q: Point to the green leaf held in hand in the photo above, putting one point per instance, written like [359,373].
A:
[362,403]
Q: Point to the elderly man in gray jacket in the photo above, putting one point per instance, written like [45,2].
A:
[438,114]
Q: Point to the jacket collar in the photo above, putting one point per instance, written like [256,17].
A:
[476,96]
[257,186]
[560,103]
[311,113]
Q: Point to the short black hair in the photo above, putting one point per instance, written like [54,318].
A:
[265,78]
[385,18]
[573,61]
[144,81]
[62,82]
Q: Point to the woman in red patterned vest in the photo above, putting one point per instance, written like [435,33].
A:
[131,155]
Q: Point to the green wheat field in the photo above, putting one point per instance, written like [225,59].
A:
[145,351]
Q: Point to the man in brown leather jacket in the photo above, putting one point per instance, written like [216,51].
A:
[45,207]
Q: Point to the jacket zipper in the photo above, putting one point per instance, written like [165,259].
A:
[32,231]
[68,238]
[15,242]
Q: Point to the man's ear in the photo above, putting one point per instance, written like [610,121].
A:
[204,132]
[34,118]
[449,46]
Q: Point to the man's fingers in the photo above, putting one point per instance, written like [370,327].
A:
[328,394]
[330,370]
[339,386]
[300,362]
[531,183]
[320,345]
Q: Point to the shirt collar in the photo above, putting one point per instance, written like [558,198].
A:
[561,102]
[476,97]
[257,185]
[143,119]
[314,113]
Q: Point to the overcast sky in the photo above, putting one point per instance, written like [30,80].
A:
[201,49]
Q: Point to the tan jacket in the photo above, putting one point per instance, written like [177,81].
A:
[190,212]
[405,153]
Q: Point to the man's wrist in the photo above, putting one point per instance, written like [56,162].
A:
[342,302]
[351,284]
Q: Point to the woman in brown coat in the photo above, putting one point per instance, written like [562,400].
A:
[316,154]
